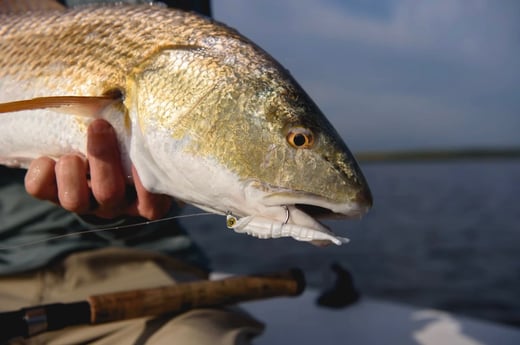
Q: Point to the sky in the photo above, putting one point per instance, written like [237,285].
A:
[398,74]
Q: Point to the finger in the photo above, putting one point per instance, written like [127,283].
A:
[40,179]
[106,172]
[148,205]
[71,179]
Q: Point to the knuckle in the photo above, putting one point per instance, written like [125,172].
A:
[73,203]
[109,195]
[71,182]
[35,189]
[40,179]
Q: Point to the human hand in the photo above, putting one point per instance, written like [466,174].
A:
[96,185]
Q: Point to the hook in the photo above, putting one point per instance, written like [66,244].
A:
[287,215]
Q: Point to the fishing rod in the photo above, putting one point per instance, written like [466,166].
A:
[124,305]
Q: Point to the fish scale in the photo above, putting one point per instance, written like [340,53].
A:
[109,41]
[204,114]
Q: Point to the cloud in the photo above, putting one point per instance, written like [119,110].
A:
[398,73]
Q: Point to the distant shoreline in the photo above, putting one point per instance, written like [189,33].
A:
[438,155]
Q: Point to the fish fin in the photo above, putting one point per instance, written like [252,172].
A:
[17,6]
[74,105]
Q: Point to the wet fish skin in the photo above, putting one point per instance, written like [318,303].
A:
[207,116]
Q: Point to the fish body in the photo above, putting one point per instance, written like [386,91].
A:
[204,114]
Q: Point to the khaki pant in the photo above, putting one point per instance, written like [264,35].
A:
[115,269]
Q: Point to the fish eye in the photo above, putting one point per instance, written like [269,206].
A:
[300,138]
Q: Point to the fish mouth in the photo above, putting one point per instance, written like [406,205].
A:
[319,207]
[319,212]
[296,215]
[289,213]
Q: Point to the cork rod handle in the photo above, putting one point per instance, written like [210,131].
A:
[186,296]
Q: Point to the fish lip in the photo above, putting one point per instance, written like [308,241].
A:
[316,206]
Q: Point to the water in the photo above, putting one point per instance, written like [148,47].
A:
[444,235]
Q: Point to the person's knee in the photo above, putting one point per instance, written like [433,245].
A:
[209,326]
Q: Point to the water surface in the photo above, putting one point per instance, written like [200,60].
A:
[443,234]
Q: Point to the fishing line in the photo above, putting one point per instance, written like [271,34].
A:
[90,231]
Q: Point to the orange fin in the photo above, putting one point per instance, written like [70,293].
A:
[74,105]
[17,6]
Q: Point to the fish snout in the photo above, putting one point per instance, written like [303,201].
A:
[364,198]
[354,188]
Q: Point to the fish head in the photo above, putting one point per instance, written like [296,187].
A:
[293,165]
[230,131]
[306,162]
